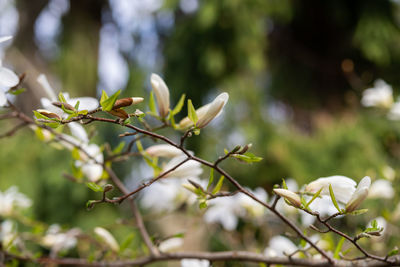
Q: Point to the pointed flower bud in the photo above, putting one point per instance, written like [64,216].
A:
[207,113]
[290,196]
[359,195]
[125,102]
[48,114]
[162,94]
[66,105]
[107,237]
[165,150]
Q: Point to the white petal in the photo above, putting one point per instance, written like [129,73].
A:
[85,103]
[278,245]
[163,150]
[3,98]
[5,38]
[78,131]
[213,110]
[170,244]
[162,94]
[107,237]
[8,78]
[381,189]
[42,80]
[194,263]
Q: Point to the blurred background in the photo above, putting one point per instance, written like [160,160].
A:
[294,70]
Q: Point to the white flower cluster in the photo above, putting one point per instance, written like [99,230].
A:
[12,200]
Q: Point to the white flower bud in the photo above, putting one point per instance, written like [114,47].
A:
[107,237]
[290,196]
[359,195]
[165,150]
[162,94]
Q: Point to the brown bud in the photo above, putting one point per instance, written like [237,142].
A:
[48,114]
[66,106]
[245,148]
[125,102]
[119,113]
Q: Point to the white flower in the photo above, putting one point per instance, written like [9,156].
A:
[359,195]
[107,238]
[278,246]
[194,263]
[394,112]
[8,79]
[59,241]
[343,187]
[11,200]
[8,234]
[207,113]
[164,150]
[323,205]
[380,95]
[91,166]
[389,173]
[5,38]
[162,94]
[224,210]
[381,189]
[170,244]
[187,170]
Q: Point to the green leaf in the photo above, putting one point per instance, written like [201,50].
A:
[313,198]
[62,98]
[393,252]
[95,187]
[211,178]
[338,248]
[119,148]
[75,154]
[53,125]
[247,157]
[179,106]
[77,105]
[89,204]
[219,185]
[192,112]
[333,198]
[152,103]
[40,116]
[226,151]
[82,112]
[179,235]
[125,244]
[67,110]
[18,91]
[358,212]
[203,204]
[284,184]
[104,96]
[139,146]
[108,104]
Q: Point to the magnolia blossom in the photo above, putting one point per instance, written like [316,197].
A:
[290,196]
[225,211]
[343,187]
[207,113]
[11,199]
[381,189]
[253,208]
[162,94]
[107,238]
[278,246]
[194,263]
[8,78]
[170,244]
[8,234]
[164,150]
[323,205]
[60,241]
[188,169]
[381,95]
[359,195]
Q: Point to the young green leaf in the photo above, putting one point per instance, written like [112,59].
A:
[108,104]
[393,252]
[139,146]
[77,105]
[152,103]
[61,98]
[333,198]
[125,244]
[203,204]
[313,198]
[284,184]
[179,106]
[192,112]
[358,212]
[338,248]
[247,157]
[210,181]
[119,148]
[219,185]
[18,91]
[95,187]
[104,96]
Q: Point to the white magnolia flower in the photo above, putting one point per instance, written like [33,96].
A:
[278,246]
[359,195]
[187,170]
[343,187]
[163,150]
[8,234]
[381,189]
[323,205]
[290,196]
[194,263]
[162,94]
[11,199]
[225,211]
[381,95]
[207,113]
[8,79]
[170,244]
[252,207]
[91,166]
[58,240]
[107,238]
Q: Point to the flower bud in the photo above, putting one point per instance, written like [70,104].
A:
[107,237]
[359,195]
[48,114]
[125,102]
[290,196]
[119,113]
[162,94]
[164,150]
[66,106]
